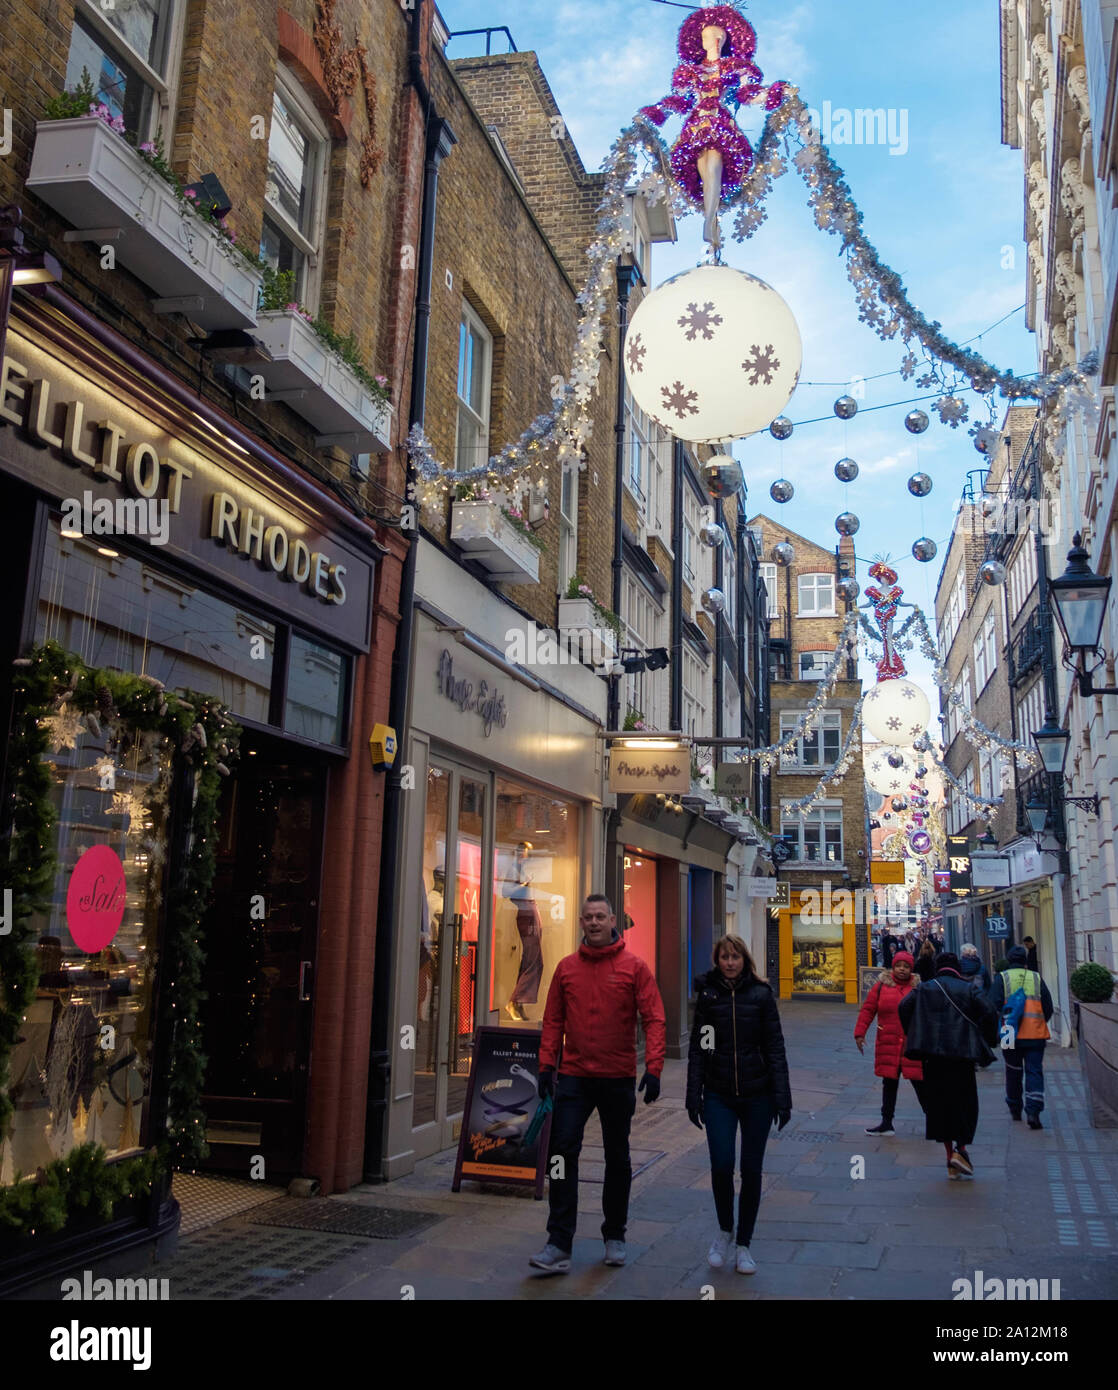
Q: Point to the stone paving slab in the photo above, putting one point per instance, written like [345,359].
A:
[1043,1204]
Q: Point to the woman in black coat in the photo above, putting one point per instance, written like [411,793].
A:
[951,1027]
[737,1075]
[925,964]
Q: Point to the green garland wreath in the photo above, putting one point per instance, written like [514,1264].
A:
[207,738]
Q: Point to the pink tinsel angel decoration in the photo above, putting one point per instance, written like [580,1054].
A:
[712,157]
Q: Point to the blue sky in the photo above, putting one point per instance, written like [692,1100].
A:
[947,214]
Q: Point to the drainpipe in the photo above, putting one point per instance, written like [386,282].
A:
[627,277]
[719,641]
[675,714]
[440,140]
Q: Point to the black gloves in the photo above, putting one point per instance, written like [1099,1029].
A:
[651,1086]
[546,1083]
[781,1118]
[695,1115]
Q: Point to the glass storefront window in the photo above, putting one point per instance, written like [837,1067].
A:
[639,920]
[535,897]
[432,908]
[81,1065]
[316,691]
[116,611]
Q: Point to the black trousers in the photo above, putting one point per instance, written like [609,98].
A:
[889,1088]
[576,1099]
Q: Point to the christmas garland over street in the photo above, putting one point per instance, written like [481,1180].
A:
[206,737]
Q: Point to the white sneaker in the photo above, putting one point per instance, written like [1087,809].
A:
[746,1262]
[719,1250]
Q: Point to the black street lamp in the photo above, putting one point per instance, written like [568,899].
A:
[1037,812]
[1052,745]
[1079,599]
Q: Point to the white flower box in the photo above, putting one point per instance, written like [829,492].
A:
[583,627]
[482,531]
[319,386]
[102,186]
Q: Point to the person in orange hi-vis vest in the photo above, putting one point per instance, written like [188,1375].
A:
[1024,1057]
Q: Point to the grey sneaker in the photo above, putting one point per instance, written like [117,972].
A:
[720,1248]
[552,1260]
[615,1252]
[745,1261]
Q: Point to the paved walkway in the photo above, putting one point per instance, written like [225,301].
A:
[1043,1205]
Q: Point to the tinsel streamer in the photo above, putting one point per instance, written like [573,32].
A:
[841,768]
[985,808]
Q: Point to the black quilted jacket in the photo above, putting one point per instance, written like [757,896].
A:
[747,1058]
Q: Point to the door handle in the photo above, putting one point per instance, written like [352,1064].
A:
[305,966]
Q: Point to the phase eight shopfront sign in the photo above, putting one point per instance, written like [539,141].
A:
[71,433]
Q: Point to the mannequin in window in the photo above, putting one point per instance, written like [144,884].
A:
[527,987]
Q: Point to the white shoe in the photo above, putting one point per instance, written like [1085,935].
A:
[720,1249]
[746,1263]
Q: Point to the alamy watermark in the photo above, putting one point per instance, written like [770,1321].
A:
[120,516]
[822,904]
[981,1289]
[999,515]
[838,125]
[572,646]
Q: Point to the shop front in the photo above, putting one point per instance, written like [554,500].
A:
[501,843]
[674,894]
[180,569]
[824,939]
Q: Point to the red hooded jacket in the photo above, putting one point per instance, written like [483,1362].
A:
[888,1053]
[591,1014]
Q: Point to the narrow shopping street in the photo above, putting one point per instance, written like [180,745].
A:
[1042,1205]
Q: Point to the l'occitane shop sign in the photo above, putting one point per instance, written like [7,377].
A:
[72,435]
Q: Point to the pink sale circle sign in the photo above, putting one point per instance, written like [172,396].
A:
[95,899]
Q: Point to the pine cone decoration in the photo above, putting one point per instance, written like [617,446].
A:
[105,703]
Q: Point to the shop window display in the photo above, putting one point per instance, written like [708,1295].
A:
[81,1064]
[639,921]
[535,898]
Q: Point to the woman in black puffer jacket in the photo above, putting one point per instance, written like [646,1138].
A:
[737,1074]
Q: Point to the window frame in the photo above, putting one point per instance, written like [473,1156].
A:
[289,89]
[815,575]
[830,721]
[470,319]
[772,598]
[568,528]
[827,812]
[822,652]
[163,85]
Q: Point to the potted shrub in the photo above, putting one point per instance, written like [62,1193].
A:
[1091,983]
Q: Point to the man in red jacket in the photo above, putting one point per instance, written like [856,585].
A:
[589,1035]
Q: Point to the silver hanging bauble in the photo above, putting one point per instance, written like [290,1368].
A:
[921,772]
[781,427]
[783,554]
[924,549]
[846,470]
[846,407]
[899,803]
[846,523]
[920,484]
[916,422]
[992,572]
[986,440]
[887,816]
[713,600]
[849,589]
[710,533]
[988,506]
[922,743]
[782,490]
[982,386]
[895,759]
[723,476]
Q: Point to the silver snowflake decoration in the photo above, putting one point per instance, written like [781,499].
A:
[678,399]
[761,364]
[951,410]
[697,320]
[635,352]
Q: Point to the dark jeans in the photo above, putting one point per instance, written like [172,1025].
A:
[889,1087]
[576,1098]
[722,1116]
[1025,1064]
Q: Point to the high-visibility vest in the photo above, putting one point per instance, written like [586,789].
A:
[1032,1025]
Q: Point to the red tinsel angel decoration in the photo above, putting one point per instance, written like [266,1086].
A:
[712,157]
[886,601]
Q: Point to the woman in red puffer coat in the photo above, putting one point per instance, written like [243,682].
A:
[889,1061]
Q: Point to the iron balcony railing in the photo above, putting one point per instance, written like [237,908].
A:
[1027,648]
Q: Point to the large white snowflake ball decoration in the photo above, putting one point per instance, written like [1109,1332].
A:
[882,776]
[713,354]
[896,711]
